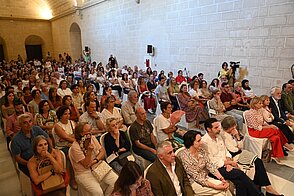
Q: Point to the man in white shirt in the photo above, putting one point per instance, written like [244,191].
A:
[220,157]
[92,118]
[161,90]
[167,175]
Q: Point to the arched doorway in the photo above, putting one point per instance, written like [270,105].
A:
[34,44]
[3,52]
[75,41]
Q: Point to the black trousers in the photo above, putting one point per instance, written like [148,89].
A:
[260,177]
[286,131]
[244,185]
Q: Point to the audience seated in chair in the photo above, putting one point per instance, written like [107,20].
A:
[21,144]
[117,144]
[197,166]
[269,118]
[222,159]
[217,105]
[85,154]
[131,182]
[257,127]
[93,118]
[129,107]
[167,175]
[234,145]
[142,138]
[229,100]
[45,155]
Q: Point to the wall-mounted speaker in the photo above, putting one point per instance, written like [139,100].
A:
[149,49]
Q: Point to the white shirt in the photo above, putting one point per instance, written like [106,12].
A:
[160,123]
[86,118]
[217,150]
[174,178]
[107,114]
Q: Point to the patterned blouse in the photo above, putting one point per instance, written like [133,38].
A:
[255,119]
[41,120]
[197,169]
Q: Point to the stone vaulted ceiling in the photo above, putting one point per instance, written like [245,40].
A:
[37,9]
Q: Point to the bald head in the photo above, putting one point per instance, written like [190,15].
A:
[141,115]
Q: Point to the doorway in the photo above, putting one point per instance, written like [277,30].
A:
[75,41]
[34,45]
[34,52]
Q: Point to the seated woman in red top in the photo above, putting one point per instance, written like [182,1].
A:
[67,100]
[180,78]
[258,128]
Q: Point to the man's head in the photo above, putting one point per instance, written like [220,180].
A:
[18,107]
[212,126]
[165,152]
[229,124]
[44,87]
[225,87]
[26,122]
[141,114]
[91,106]
[162,80]
[287,87]
[133,97]
[276,93]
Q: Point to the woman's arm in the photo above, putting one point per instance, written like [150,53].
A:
[62,134]
[4,112]
[36,178]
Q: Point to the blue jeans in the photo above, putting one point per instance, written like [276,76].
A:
[145,154]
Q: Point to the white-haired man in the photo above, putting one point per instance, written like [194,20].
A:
[128,108]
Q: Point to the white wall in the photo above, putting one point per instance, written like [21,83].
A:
[197,34]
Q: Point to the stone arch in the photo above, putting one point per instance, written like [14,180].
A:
[3,50]
[75,41]
[34,45]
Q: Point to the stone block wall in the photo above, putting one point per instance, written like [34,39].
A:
[196,34]
[15,32]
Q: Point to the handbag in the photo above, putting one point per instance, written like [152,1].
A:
[246,158]
[54,182]
[101,170]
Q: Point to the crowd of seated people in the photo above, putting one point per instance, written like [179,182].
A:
[51,98]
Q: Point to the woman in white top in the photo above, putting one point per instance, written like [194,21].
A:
[63,89]
[63,130]
[110,111]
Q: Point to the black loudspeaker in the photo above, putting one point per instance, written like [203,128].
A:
[149,49]
[86,48]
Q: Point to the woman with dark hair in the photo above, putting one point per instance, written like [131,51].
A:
[197,166]
[33,106]
[81,87]
[131,182]
[54,100]
[46,118]
[214,85]
[180,78]
[63,89]
[194,112]
[151,83]
[173,90]
[204,89]
[67,100]
[247,90]
[225,71]
[63,130]
[45,155]
[113,82]
[8,107]
[125,83]
[91,96]
[149,71]
[107,91]
[27,96]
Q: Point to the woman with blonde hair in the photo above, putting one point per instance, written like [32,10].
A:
[269,118]
[116,143]
[258,128]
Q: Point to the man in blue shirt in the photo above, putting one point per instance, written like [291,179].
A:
[21,144]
